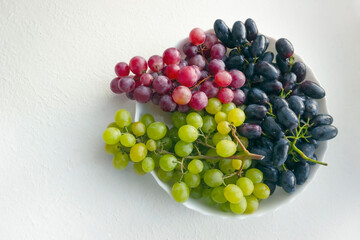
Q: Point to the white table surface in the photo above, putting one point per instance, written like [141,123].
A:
[56,61]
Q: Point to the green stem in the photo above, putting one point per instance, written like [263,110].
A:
[205,144]
[304,156]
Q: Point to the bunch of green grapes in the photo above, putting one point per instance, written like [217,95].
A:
[201,155]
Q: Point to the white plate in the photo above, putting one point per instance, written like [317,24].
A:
[275,201]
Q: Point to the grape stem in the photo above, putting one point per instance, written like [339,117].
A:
[202,48]
[205,144]
[238,172]
[304,156]
[200,82]
[247,154]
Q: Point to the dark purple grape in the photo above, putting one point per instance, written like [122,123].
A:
[313,142]
[190,49]
[272,128]
[257,96]
[255,111]
[142,94]
[312,90]
[296,104]
[287,118]
[246,52]
[324,132]
[307,148]
[272,86]
[251,29]
[126,84]
[155,98]
[271,185]
[321,119]
[283,64]
[299,69]
[267,70]
[235,62]
[289,81]
[287,181]
[284,48]
[267,42]
[297,91]
[198,60]
[267,57]
[238,33]
[258,46]
[290,162]
[270,173]
[301,172]
[253,121]
[167,104]
[215,66]
[234,52]
[239,97]
[218,51]
[223,33]
[311,109]
[263,151]
[250,130]
[130,95]
[280,152]
[277,103]
[249,71]
[210,88]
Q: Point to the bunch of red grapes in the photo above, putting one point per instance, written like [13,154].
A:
[179,84]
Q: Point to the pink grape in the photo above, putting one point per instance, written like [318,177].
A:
[156,63]
[216,65]
[122,69]
[238,78]
[167,104]
[183,108]
[156,98]
[210,40]
[142,94]
[239,97]
[197,70]
[181,95]
[183,63]
[218,51]
[198,101]
[172,71]
[114,86]
[197,36]
[210,88]
[190,49]
[226,95]
[138,65]
[172,56]
[162,84]
[188,76]
[126,84]
[146,79]
[198,60]
[223,78]
[138,83]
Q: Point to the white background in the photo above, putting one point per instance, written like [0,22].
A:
[56,61]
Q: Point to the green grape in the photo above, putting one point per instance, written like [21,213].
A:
[168,162]
[252,204]
[113,124]
[207,197]
[213,177]
[236,164]
[218,137]
[138,128]
[178,119]
[188,133]
[214,106]
[225,165]
[231,180]
[240,207]
[156,130]
[225,148]
[180,192]
[138,168]
[120,160]
[227,107]
[244,141]
[177,176]
[255,175]
[217,194]
[246,185]
[261,191]
[236,117]
[148,164]
[192,180]
[223,127]
[194,119]
[220,116]
[164,176]
[195,166]
[247,163]
[201,112]
[151,145]
[164,143]
[196,193]
[183,149]
[225,207]
[127,140]
[212,152]
[147,119]
[206,167]
[112,148]
[233,193]
[209,124]
[173,134]
[156,158]
[123,118]
[138,152]
[111,135]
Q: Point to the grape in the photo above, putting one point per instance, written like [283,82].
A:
[238,78]
[216,65]
[246,185]
[188,133]
[271,86]
[321,119]
[188,76]
[267,57]
[127,140]
[269,173]
[287,181]
[198,101]
[223,78]
[190,49]
[296,104]
[214,105]
[233,193]
[218,137]
[167,104]
[114,86]
[146,79]
[194,119]
[301,172]
[284,48]
[156,130]
[207,197]
[220,116]
[148,164]
[210,88]
[261,191]
[192,180]
[213,177]
[122,69]
[195,166]
[299,69]
[231,180]
[287,118]
[162,84]
[198,60]
[197,36]
[138,65]
[223,127]
[236,164]
[255,175]
[324,132]
[183,149]
[168,162]
[251,29]
[196,193]
[225,148]
[180,192]
[120,160]
[289,81]
[138,152]
[247,163]
[142,94]
[123,118]
[217,194]
[239,33]
[223,32]
[236,117]
[235,62]
[271,185]
[218,51]
[156,63]
[227,107]
[225,165]
[252,204]
[311,109]
[209,124]
[156,98]
[267,70]
[172,56]
[239,207]
[151,145]
[164,176]
[278,102]
[307,148]
[126,84]
[178,119]
[138,128]
[172,71]
[147,119]
[112,148]
[255,111]
[239,97]
[312,90]
[138,168]
[258,46]
[183,108]
[226,95]
[210,40]
[250,130]
[111,135]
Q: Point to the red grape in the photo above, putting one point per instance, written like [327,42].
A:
[172,71]
[210,40]
[172,56]
[162,84]
[216,65]
[198,60]
[190,49]
[239,97]
[198,101]
[223,78]
[209,88]
[188,76]
[122,69]
[142,94]
[197,36]
[218,51]
[226,95]
[138,65]
[238,78]
[156,63]
[137,83]
[183,63]
[146,79]
[114,86]
[181,95]
[126,84]
[167,104]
